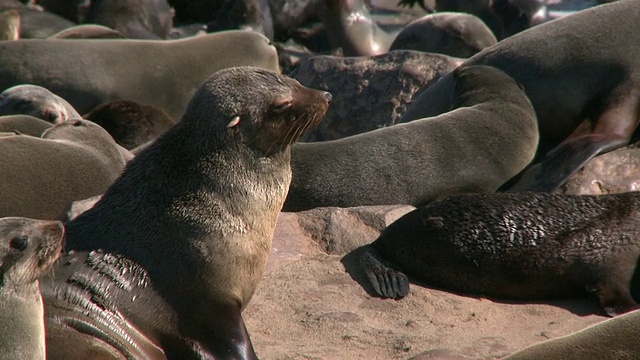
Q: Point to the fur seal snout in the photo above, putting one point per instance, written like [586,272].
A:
[28,249]
[526,246]
[205,196]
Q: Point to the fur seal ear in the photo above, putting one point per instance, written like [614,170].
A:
[235,121]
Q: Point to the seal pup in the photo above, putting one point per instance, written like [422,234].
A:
[131,124]
[205,197]
[584,108]
[524,246]
[611,339]
[28,249]
[36,101]
[489,137]
[40,177]
[454,34]
[155,72]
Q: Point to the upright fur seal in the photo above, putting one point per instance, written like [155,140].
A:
[204,197]
[527,246]
[615,338]
[28,249]
[160,73]
[583,107]
[38,102]
[489,137]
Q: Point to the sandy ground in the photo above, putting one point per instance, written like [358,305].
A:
[316,308]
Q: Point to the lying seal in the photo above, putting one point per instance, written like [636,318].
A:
[487,139]
[28,249]
[584,108]
[129,123]
[611,339]
[23,124]
[205,197]
[454,34]
[38,102]
[40,177]
[160,73]
[525,246]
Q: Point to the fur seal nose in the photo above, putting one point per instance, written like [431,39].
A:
[328,96]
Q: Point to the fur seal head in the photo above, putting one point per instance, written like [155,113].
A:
[28,249]
[36,101]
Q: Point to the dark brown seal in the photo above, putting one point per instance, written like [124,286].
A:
[526,246]
[28,249]
[131,124]
[584,108]
[611,339]
[191,219]
[487,139]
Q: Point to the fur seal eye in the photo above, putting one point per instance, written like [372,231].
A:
[20,243]
[77,123]
[281,104]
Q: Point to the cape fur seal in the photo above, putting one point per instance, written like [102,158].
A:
[489,137]
[615,338]
[155,72]
[38,102]
[205,197]
[583,107]
[526,246]
[40,177]
[28,249]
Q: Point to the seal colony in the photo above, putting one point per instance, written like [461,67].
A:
[524,246]
[208,211]
[584,107]
[28,249]
[489,137]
